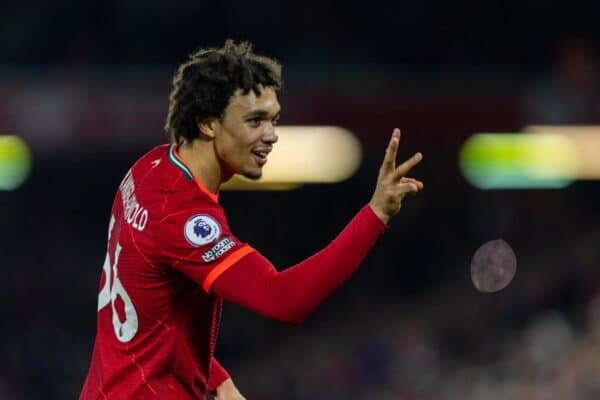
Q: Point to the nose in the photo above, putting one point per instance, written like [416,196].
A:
[270,136]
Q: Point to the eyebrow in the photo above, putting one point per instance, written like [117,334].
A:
[260,114]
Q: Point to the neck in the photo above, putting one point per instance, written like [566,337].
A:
[201,158]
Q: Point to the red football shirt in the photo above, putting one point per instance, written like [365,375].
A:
[168,241]
[171,260]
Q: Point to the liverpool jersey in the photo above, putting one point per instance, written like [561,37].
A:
[157,322]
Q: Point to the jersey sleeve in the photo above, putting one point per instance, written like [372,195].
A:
[199,244]
[217,375]
[292,294]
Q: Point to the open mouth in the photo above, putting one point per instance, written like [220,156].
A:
[260,156]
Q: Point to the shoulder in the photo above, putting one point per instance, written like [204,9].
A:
[172,196]
[196,211]
[152,163]
[150,159]
[157,181]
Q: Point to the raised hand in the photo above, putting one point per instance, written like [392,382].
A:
[392,184]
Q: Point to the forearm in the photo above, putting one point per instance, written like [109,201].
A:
[300,289]
[291,295]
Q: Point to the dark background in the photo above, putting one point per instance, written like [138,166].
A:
[87,87]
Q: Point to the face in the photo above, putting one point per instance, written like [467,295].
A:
[246,134]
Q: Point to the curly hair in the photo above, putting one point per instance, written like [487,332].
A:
[203,85]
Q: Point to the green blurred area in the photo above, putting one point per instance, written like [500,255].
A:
[15,162]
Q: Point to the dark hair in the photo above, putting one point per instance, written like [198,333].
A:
[203,85]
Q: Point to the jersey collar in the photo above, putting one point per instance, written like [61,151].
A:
[176,159]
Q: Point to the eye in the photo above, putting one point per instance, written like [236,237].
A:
[275,121]
[254,122]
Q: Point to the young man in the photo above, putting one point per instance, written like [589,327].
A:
[172,259]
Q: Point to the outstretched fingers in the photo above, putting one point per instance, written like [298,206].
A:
[406,166]
[389,161]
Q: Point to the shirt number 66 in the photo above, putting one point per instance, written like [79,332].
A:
[126,330]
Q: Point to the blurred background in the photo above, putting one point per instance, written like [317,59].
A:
[86,86]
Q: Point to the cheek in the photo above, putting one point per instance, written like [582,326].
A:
[231,147]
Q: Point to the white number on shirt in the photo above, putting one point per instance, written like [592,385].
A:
[126,330]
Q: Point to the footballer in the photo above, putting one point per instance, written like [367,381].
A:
[172,259]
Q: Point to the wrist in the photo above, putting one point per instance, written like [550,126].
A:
[380,214]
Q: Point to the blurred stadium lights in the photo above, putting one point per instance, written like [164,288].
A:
[518,161]
[539,157]
[15,162]
[306,154]
[586,138]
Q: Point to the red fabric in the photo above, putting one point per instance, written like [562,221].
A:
[291,295]
[172,320]
[217,375]
[169,239]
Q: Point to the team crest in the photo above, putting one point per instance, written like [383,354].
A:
[201,229]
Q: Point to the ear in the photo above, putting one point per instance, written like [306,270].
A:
[207,126]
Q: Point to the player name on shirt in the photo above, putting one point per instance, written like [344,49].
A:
[134,214]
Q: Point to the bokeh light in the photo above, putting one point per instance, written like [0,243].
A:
[306,154]
[15,162]
[517,161]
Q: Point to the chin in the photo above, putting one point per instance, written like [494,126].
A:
[254,175]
